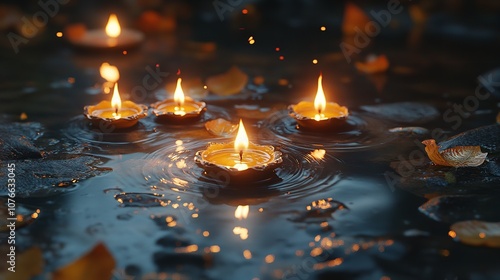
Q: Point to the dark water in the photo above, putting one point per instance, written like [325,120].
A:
[328,213]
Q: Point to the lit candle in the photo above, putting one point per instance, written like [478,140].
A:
[112,36]
[179,108]
[320,113]
[121,114]
[240,158]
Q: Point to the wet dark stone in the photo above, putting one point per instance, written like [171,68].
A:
[16,141]
[172,242]
[49,176]
[487,137]
[491,81]
[166,260]
[140,199]
[443,180]
[404,112]
[455,208]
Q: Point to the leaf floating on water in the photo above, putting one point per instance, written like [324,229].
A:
[98,264]
[29,264]
[221,127]
[477,233]
[460,156]
[229,83]
[373,64]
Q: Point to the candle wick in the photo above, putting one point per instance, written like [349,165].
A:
[116,111]
[241,156]
[319,112]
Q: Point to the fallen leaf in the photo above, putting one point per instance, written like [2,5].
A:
[459,156]
[477,233]
[373,64]
[354,18]
[98,264]
[221,127]
[498,118]
[28,264]
[75,31]
[231,82]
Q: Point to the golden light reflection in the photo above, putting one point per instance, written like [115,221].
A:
[214,249]
[206,233]
[241,212]
[241,231]
[269,258]
[109,72]
[320,100]
[332,263]
[179,98]
[452,234]
[59,34]
[316,252]
[116,102]
[113,28]
[247,254]
[188,249]
[318,154]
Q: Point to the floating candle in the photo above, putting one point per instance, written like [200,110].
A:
[113,36]
[180,108]
[120,114]
[318,114]
[240,158]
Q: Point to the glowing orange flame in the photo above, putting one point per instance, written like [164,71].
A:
[113,28]
[241,212]
[241,143]
[116,102]
[179,94]
[320,100]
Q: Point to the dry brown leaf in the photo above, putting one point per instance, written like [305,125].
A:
[498,118]
[374,64]
[231,82]
[477,233]
[28,265]
[98,264]
[221,127]
[354,18]
[460,156]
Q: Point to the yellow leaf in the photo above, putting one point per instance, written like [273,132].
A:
[98,264]
[460,156]
[28,264]
[374,64]
[477,233]
[354,18]
[221,127]
[229,83]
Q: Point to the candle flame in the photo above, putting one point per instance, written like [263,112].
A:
[113,29]
[320,100]
[109,72]
[179,94]
[241,143]
[241,212]
[116,102]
